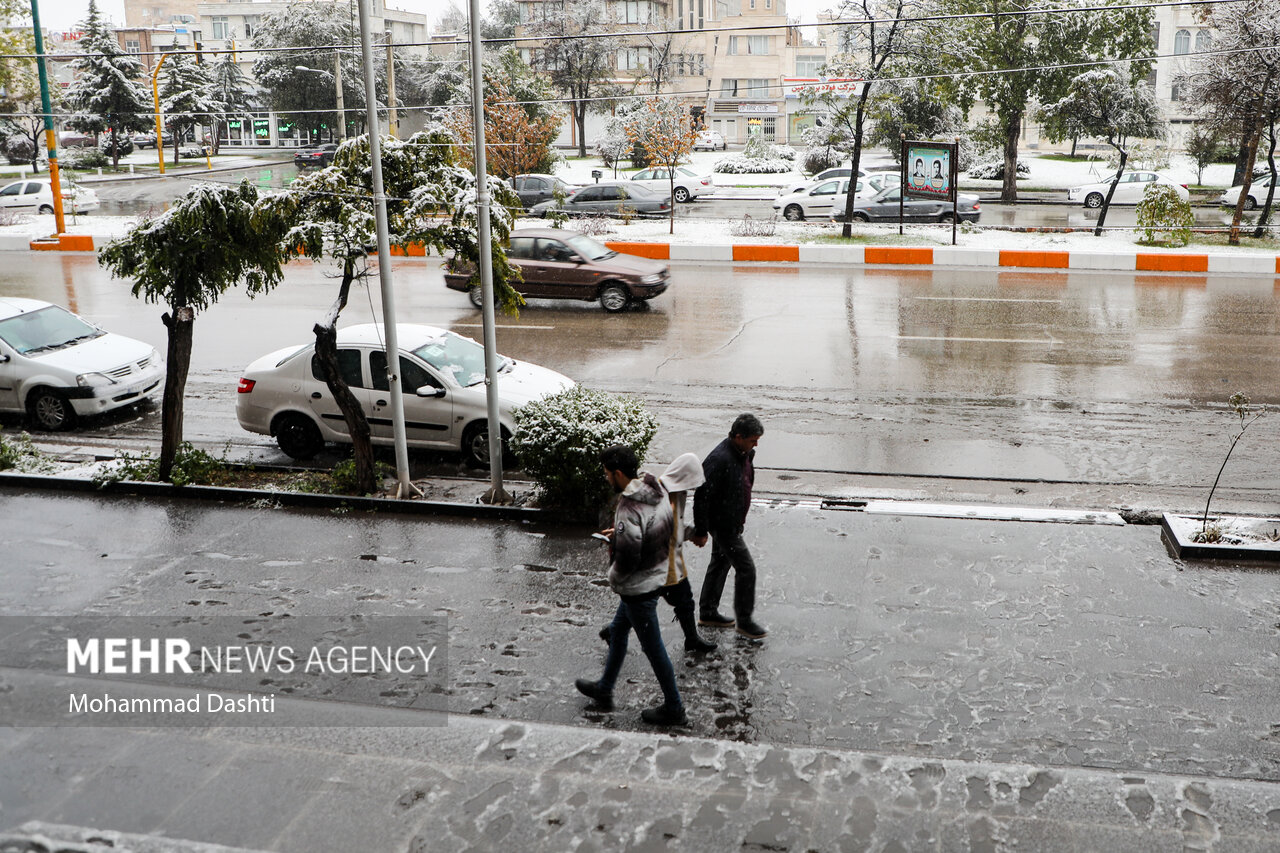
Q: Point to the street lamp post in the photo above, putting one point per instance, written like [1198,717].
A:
[337,81]
[155,94]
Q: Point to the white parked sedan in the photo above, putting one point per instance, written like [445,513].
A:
[709,140]
[55,366]
[1258,190]
[37,196]
[812,203]
[1130,190]
[284,394]
[688,183]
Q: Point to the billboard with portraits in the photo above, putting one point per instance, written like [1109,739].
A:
[928,168]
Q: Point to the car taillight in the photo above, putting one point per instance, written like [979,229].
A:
[246,385]
[706,181]
[976,206]
[1184,186]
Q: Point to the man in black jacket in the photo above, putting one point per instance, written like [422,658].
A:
[720,509]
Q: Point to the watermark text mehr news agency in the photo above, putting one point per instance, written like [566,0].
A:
[172,655]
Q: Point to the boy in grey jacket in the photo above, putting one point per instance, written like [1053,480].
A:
[640,549]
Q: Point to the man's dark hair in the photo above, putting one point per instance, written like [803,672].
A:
[620,458]
[746,425]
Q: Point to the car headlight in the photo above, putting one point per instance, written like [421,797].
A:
[655,278]
[94,380]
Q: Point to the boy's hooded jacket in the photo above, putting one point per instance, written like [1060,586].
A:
[682,476]
[642,530]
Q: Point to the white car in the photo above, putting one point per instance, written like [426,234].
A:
[812,203]
[38,196]
[1129,191]
[283,394]
[688,183]
[709,140]
[821,177]
[1258,190]
[871,185]
[57,367]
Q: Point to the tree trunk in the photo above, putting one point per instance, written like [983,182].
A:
[175,146]
[855,163]
[1074,140]
[1106,202]
[115,150]
[352,412]
[671,175]
[580,118]
[1242,155]
[178,355]
[1251,156]
[1265,217]
[1012,130]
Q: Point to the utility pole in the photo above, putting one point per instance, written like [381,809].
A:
[496,494]
[391,90]
[50,137]
[342,105]
[404,487]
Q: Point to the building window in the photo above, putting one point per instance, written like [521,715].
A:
[251,24]
[633,12]
[748,45]
[1204,41]
[808,66]
[769,128]
[745,88]
[221,29]
[751,4]
[1182,42]
[132,46]
[1176,93]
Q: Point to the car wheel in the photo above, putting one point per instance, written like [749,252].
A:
[51,411]
[476,295]
[614,298]
[475,445]
[298,436]
[859,216]
[44,208]
[1250,203]
[948,218]
[1093,200]
[682,195]
[794,213]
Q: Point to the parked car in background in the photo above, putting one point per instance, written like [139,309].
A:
[535,188]
[284,394]
[609,198]
[76,139]
[709,140]
[1258,189]
[821,177]
[883,206]
[560,264]
[1129,190]
[148,140]
[868,187]
[688,183]
[813,202]
[192,151]
[37,196]
[318,157]
[57,367]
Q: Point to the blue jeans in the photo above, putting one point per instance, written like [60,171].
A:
[641,613]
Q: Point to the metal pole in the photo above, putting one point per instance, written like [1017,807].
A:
[496,494]
[50,137]
[342,105]
[404,487]
[155,94]
[391,90]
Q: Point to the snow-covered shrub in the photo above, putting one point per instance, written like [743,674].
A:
[820,159]
[748,227]
[19,150]
[994,170]
[1164,219]
[85,158]
[759,156]
[558,439]
[594,225]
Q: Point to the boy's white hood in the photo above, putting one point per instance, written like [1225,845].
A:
[683,474]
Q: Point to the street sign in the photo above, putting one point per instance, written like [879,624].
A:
[929,172]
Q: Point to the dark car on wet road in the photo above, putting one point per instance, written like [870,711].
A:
[315,158]
[888,204]
[560,264]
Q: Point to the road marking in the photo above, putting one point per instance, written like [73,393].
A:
[1048,341]
[986,299]
[481,326]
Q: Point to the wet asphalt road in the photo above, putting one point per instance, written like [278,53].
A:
[1094,377]
[1061,645]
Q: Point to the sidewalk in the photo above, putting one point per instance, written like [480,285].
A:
[927,683]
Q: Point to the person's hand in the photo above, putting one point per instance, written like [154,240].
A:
[607,532]
[699,540]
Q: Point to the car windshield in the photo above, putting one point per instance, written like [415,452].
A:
[459,357]
[45,329]
[588,248]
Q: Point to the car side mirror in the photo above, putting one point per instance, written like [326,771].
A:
[430,391]
[4,359]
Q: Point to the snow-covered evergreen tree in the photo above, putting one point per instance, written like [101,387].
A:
[107,94]
[186,98]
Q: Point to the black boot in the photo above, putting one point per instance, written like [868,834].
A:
[694,644]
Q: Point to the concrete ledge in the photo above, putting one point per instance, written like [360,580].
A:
[292,499]
[700,253]
[955,256]
[657,251]
[1178,532]
[64,243]
[898,255]
[1126,261]
[1257,264]
[1172,263]
[1040,260]
[775,254]
[833,254]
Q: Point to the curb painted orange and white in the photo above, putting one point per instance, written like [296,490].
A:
[952,256]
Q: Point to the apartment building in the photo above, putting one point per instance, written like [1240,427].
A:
[733,63]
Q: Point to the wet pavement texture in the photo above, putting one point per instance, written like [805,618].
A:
[943,639]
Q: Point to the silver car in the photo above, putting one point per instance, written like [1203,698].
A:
[609,198]
[883,207]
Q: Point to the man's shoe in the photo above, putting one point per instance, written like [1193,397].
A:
[715,620]
[591,689]
[750,628]
[699,646]
[606,633]
[664,716]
